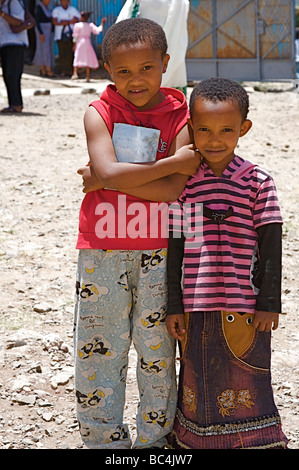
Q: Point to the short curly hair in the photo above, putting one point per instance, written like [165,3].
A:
[132,31]
[220,89]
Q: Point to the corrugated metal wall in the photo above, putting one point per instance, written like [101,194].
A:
[241,39]
[100,8]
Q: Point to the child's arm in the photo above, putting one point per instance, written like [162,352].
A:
[268,304]
[97,29]
[163,180]
[114,174]
[175,321]
[165,189]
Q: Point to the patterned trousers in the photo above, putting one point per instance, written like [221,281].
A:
[121,297]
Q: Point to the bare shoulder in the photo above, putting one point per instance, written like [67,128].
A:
[92,117]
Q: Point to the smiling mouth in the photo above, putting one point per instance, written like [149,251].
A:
[137,91]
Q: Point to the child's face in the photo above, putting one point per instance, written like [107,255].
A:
[137,73]
[217,128]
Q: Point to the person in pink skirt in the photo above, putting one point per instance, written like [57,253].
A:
[84,54]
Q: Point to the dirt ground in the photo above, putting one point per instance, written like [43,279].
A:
[41,149]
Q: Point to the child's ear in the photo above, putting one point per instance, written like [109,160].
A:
[246,126]
[189,120]
[190,129]
[165,62]
[107,68]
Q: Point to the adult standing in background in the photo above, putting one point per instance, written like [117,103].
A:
[172,15]
[43,54]
[297,53]
[63,18]
[30,50]
[12,47]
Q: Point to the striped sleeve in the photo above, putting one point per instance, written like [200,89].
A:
[266,208]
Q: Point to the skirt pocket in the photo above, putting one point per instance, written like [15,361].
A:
[248,345]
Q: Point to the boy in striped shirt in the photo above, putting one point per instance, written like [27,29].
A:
[231,295]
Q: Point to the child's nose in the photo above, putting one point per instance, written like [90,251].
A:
[136,77]
[214,137]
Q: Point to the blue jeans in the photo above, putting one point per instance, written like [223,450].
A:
[121,297]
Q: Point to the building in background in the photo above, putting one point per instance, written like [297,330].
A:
[239,39]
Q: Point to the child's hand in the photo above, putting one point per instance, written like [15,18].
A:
[264,320]
[189,159]
[176,326]
[90,180]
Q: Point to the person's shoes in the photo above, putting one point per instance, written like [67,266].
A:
[11,110]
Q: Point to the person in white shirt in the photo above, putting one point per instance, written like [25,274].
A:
[12,47]
[64,17]
[297,54]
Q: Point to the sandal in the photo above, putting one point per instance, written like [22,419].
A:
[11,110]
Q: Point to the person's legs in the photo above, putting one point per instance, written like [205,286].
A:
[12,58]
[65,49]
[102,342]
[156,351]
[75,73]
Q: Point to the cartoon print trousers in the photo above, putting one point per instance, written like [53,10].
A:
[121,297]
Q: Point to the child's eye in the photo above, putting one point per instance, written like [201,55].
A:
[227,129]
[203,129]
[123,72]
[147,67]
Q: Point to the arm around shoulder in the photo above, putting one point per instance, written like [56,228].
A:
[125,176]
[183,157]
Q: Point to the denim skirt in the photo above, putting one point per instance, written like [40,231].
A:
[225,397]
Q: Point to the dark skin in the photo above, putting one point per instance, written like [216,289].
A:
[10,19]
[137,73]
[217,128]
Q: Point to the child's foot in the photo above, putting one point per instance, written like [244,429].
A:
[74,77]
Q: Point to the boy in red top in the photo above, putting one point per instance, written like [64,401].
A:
[121,284]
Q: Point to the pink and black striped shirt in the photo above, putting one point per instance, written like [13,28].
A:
[225,212]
